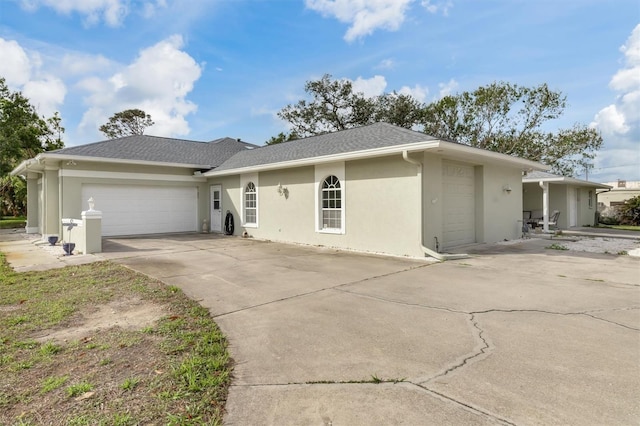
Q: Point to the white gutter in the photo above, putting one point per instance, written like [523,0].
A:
[45,155]
[426,250]
[568,180]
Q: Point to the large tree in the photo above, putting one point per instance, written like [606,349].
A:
[511,119]
[335,106]
[24,133]
[126,123]
[500,117]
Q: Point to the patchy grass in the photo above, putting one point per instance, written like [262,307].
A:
[556,246]
[9,222]
[175,371]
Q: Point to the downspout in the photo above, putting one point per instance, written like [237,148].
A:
[596,215]
[427,251]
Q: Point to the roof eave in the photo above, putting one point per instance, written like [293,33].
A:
[445,146]
[122,161]
[568,180]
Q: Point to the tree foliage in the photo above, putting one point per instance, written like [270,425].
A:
[335,106]
[630,212]
[23,133]
[126,123]
[13,196]
[499,117]
[510,119]
[282,137]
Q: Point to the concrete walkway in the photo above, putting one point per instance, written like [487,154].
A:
[517,335]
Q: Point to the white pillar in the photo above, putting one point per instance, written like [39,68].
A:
[545,205]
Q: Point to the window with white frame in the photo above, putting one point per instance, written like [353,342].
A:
[250,204]
[590,199]
[331,203]
[331,187]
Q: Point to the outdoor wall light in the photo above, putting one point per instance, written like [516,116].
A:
[282,190]
[507,188]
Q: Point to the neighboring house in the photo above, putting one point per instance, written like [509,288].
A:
[619,192]
[575,199]
[377,188]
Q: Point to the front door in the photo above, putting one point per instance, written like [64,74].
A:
[216,208]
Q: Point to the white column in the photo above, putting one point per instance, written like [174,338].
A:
[545,205]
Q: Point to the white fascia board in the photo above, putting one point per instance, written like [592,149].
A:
[20,168]
[492,156]
[450,147]
[98,174]
[121,161]
[567,180]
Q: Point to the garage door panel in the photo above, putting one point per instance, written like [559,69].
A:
[458,183]
[139,209]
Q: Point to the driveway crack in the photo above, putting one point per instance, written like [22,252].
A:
[482,350]
[334,287]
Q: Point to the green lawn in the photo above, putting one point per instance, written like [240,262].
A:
[57,369]
[8,222]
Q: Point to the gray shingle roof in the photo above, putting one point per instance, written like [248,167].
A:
[159,149]
[378,135]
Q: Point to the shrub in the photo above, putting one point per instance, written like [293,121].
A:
[630,212]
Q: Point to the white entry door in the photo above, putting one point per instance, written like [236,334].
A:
[216,208]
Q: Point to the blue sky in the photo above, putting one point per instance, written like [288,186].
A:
[206,69]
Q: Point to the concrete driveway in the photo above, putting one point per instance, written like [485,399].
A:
[516,335]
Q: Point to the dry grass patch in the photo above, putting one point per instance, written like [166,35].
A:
[100,344]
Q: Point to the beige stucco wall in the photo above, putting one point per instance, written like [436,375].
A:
[559,199]
[501,210]
[33,194]
[378,218]
[617,195]
[50,198]
[383,205]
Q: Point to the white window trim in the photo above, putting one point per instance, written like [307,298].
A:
[321,172]
[244,180]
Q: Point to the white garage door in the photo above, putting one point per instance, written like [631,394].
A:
[458,204]
[135,210]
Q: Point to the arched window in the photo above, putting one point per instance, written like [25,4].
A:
[331,203]
[250,204]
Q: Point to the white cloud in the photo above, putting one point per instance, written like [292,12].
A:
[46,95]
[149,9]
[81,64]
[370,87]
[619,122]
[364,16]
[112,12]
[386,64]
[157,82]
[438,6]
[611,121]
[15,65]
[447,88]
[418,92]
[22,71]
